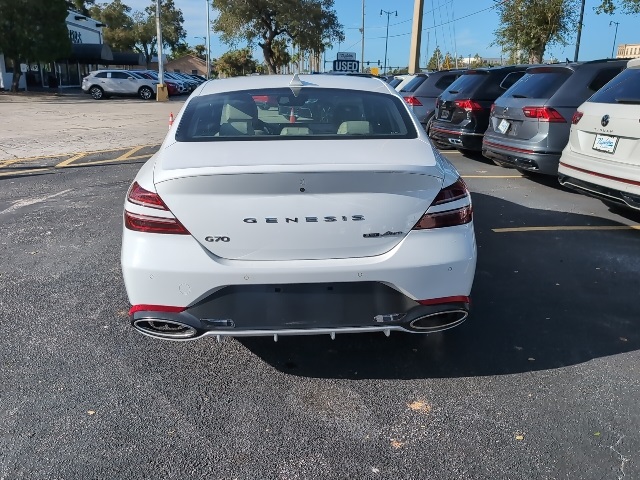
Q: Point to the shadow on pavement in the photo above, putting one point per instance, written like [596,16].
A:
[541,300]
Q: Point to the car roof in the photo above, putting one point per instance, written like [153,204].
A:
[635,63]
[347,82]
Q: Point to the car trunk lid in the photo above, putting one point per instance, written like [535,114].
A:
[240,207]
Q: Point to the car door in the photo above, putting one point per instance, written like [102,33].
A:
[124,83]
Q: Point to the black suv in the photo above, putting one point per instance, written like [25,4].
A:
[530,123]
[423,90]
[462,111]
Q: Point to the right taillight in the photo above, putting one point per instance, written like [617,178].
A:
[576,117]
[447,218]
[543,114]
[150,223]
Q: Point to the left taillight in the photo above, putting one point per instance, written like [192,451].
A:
[448,218]
[413,101]
[150,223]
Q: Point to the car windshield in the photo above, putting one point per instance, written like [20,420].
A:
[307,113]
[625,88]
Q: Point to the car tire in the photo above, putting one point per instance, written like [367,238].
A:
[96,92]
[145,93]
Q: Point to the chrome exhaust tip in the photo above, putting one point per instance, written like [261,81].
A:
[162,328]
[439,321]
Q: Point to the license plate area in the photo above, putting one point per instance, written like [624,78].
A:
[503,126]
[444,114]
[605,143]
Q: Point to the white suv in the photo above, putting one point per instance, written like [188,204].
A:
[104,83]
[602,158]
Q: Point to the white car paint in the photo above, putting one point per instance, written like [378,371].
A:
[611,176]
[306,219]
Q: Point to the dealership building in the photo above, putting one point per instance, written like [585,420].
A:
[88,52]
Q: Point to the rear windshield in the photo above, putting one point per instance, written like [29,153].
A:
[414,83]
[435,85]
[538,85]
[467,83]
[280,114]
[625,88]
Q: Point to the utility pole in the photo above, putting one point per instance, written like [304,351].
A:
[362,32]
[162,95]
[386,42]
[575,56]
[416,37]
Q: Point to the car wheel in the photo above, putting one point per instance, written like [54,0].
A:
[97,93]
[145,93]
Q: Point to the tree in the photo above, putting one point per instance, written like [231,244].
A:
[144,29]
[33,30]
[610,6]
[80,5]
[235,63]
[436,60]
[118,32]
[281,56]
[449,62]
[308,23]
[529,26]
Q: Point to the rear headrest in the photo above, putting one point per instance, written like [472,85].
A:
[239,109]
[359,127]
[295,131]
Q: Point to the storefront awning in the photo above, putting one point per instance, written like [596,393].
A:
[91,53]
[127,58]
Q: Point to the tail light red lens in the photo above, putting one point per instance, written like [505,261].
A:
[543,114]
[493,107]
[576,117]
[469,105]
[448,218]
[413,101]
[140,196]
[150,223]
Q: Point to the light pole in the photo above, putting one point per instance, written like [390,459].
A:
[575,56]
[386,42]
[208,44]
[204,39]
[362,33]
[614,37]
[161,92]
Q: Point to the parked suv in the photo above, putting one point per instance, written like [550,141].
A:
[104,83]
[462,110]
[529,124]
[602,158]
[423,90]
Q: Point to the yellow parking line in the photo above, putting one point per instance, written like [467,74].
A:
[130,152]
[566,228]
[72,159]
[492,176]
[17,172]
[111,160]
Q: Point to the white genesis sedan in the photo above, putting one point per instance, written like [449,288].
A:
[326,210]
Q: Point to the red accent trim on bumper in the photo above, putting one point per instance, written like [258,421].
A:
[511,149]
[155,308]
[438,301]
[602,175]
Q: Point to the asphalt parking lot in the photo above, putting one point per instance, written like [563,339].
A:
[541,382]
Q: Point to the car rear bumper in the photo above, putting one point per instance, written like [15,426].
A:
[429,272]
[612,181]
[516,157]
[457,138]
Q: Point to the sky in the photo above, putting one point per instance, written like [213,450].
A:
[465,26]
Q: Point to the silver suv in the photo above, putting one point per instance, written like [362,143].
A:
[104,83]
